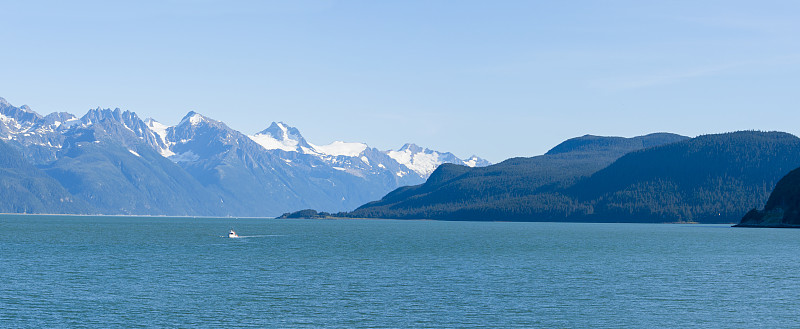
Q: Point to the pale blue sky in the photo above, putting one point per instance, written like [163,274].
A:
[494,78]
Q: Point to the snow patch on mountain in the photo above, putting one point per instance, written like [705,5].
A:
[339,148]
[6,119]
[471,162]
[14,125]
[160,130]
[187,156]
[69,123]
[196,119]
[270,143]
[157,127]
[420,162]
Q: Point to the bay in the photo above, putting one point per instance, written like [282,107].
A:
[85,271]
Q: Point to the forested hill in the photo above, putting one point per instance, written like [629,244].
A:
[711,178]
[518,187]
[783,206]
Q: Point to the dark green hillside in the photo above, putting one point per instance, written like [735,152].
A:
[783,206]
[515,189]
[593,144]
[26,189]
[712,178]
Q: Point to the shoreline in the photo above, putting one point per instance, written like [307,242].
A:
[365,218]
[146,216]
[766,226]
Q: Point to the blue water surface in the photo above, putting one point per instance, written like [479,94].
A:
[83,271]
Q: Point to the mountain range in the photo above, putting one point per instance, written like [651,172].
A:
[113,162]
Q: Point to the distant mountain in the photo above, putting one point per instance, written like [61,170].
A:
[106,159]
[782,208]
[253,181]
[410,160]
[515,189]
[279,136]
[120,164]
[424,161]
[26,189]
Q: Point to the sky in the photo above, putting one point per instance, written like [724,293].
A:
[498,79]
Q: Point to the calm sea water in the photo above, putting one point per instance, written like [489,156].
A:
[180,272]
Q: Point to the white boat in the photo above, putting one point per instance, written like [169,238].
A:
[232,234]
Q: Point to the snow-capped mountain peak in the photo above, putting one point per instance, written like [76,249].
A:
[193,118]
[22,115]
[280,136]
[475,161]
[411,147]
[194,123]
[347,155]
[282,131]
[424,161]
[118,126]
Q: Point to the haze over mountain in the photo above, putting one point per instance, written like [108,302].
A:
[25,189]
[120,164]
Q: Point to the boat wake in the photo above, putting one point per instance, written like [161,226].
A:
[259,236]
[252,236]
